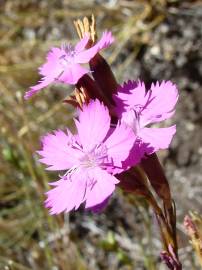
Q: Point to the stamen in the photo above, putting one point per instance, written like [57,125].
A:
[69,172]
[97,156]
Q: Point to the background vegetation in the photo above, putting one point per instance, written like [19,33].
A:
[155,40]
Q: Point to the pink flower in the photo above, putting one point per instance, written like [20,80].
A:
[64,64]
[90,160]
[139,108]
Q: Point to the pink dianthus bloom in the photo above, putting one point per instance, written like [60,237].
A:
[90,160]
[138,108]
[64,64]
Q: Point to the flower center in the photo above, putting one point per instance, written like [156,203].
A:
[95,157]
[68,56]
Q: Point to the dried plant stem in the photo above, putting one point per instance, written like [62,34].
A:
[166,218]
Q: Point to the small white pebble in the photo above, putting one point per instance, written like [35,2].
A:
[54,268]
[155,50]
[200,150]
[18,95]
[10,262]
[42,244]
[190,126]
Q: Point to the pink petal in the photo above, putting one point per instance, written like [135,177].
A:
[130,95]
[99,207]
[93,124]
[163,98]
[82,43]
[50,70]
[102,189]
[85,56]
[67,195]
[119,145]
[57,151]
[52,65]
[106,40]
[35,89]
[157,138]
[137,153]
[72,73]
